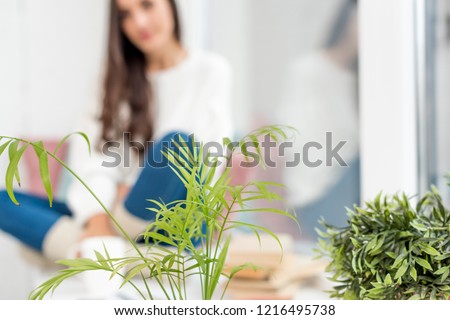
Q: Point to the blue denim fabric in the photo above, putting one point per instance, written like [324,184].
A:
[30,221]
[157,179]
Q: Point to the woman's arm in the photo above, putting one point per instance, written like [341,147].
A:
[100,177]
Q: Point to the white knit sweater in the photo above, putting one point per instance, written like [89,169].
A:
[193,97]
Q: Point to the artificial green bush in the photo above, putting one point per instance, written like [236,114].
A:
[390,249]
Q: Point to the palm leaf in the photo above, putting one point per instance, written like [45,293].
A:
[11,171]
[11,151]
[63,140]
[41,153]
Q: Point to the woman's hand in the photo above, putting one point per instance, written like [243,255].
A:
[122,191]
[99,225]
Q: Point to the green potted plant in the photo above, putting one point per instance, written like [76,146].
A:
[391,249]
[173,259]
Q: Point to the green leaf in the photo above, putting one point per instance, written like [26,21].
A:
[377,201]
[100,259]
[371,244]
[433,294]
[159,237]
[80,263]
[12,151]
[355,243]
[133,272]
[413,273]
[442,257]
[445,275]
[424,263]
[405,234]
[41,153]
[325,235]
[354,266]
[378,248]
[10,172]
[399,259]
[218,270]
[428,249]
[63,140]
[442,270]
[401,271]
[388,280]
[4,146]
[419,226]
[392,255]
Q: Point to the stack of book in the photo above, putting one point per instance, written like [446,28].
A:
[271,273]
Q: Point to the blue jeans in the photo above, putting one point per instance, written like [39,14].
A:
[31,221]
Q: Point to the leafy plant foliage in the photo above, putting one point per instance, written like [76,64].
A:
[391,249]
[207,214]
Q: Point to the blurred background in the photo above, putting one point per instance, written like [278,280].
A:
[294,62]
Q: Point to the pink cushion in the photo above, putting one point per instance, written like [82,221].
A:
[33,180]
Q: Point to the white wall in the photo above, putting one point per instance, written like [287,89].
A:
[64,60]
[50,63]
[228,34]
[11,68]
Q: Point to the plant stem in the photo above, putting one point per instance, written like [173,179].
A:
[111,216]
[225,289]
[171,287]
[134,286]
[147,287]
[184,278]
[221,232]
[162,287]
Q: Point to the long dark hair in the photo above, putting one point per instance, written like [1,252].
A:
[126,84]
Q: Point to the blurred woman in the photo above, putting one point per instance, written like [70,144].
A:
[155,90]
